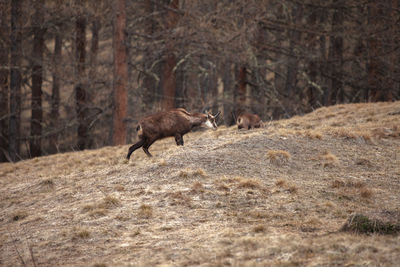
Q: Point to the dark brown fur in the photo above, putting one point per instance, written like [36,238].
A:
[176,123]
[248,121]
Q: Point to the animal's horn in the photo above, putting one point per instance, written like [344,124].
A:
[216,115]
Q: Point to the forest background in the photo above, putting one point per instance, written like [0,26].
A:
[78,75]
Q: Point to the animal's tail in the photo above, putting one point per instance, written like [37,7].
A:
[139,130]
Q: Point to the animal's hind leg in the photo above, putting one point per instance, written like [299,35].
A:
[146,148]
[134,147]
[179,140]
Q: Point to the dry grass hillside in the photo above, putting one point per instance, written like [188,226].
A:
[321,189]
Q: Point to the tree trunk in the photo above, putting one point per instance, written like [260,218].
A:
[4,49]
[94,48]
[80,88]
[227,79]
[55,94]
[120,74]
[15,79]
[335,60]
[377,69]
[168,75]
[311,90]
[149,83]
[37,80]
[241,89]
[291,75]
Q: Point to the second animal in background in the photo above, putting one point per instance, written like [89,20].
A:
[248,121]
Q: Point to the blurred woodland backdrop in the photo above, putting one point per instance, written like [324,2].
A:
[79,74]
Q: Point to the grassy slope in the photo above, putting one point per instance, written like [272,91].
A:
[277,195]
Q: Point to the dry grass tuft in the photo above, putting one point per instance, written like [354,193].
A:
[109,202]
[281,182]
[180,198]
[289,187]
[145,211]
[278,156]
[313,134]
[249,183]
[99,210]
[328,159]
[259,229]
[188,173]
[364,162]
[119,188]
[349,183]
[222,187]
[80,233]
[88,208]
[361,224]
[98,213]
[197,187]
[47,184]
[366,193]
[292,188]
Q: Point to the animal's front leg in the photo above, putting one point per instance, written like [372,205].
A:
[134,147]
[179,139]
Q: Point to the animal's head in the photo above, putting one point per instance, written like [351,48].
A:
[211,121]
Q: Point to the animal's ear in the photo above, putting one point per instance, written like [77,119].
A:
[216,115]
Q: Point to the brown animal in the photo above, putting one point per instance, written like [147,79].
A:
[248,121]
[176,122]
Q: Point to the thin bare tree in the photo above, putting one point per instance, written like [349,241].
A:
[120,73]
[37,79]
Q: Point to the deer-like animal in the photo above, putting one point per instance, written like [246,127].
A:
[248,121]
[175,122]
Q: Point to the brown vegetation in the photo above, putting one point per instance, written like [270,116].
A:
[216,196]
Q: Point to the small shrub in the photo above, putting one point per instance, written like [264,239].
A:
[361,224]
